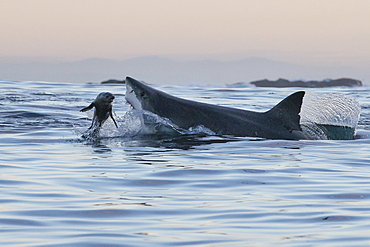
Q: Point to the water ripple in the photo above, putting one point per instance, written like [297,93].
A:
[59,190]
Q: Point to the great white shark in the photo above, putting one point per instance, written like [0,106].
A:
[280,122]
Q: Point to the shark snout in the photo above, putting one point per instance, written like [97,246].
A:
[131,98]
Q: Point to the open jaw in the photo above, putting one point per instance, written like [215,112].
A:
[132,99]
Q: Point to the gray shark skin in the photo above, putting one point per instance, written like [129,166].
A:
[281,122]
[103,109]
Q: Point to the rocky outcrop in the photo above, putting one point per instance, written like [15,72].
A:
[342,82]
[113,81]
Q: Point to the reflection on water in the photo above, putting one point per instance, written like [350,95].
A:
[60,190]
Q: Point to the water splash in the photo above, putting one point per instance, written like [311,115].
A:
[200,129]
[137,124]
[329,116]
[141,122]
[108,129]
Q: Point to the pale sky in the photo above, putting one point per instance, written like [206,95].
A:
[117,29]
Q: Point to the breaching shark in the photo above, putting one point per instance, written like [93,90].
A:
[280,122]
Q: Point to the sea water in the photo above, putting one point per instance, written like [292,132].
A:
[59,189]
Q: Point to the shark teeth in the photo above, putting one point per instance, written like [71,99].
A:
[132,99]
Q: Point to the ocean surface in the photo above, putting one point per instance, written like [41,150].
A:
[127,189]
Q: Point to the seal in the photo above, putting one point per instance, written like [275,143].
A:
[103,109]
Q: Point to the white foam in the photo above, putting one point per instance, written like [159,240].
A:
[330,109]
[327,109]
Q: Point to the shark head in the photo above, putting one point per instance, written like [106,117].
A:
[138,95]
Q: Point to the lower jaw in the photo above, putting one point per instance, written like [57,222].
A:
[131,105]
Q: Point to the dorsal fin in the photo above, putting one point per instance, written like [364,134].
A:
[287,111]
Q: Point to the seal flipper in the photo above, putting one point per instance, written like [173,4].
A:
[111,116]
[286,113]
[88,107]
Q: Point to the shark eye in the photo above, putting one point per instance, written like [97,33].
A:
[142,94]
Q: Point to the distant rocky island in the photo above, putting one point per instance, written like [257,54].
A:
[342,82]
[113,81]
